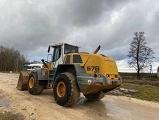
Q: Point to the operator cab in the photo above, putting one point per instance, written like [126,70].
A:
[59,52]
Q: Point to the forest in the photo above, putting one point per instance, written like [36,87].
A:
[11,59]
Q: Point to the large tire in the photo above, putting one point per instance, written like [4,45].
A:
[65,89]
[34,87]
[95,97]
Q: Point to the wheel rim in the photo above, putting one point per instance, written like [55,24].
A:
[31,82]
[61,89]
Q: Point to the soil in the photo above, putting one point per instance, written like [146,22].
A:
[22,105]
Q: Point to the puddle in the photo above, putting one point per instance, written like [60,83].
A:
[5,103]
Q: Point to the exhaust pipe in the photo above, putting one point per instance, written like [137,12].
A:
[98,48]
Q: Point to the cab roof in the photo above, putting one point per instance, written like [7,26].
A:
[54,45]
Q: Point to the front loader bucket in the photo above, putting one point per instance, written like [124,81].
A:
[23,80]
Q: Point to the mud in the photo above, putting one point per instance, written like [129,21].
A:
[44,107]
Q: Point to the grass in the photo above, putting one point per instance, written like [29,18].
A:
[145,92]
[152,82]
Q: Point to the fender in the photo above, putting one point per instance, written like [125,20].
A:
[42,73]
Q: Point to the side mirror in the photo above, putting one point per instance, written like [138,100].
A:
[48,49]
[44,63]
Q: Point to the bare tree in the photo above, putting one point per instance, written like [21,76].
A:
[140,55]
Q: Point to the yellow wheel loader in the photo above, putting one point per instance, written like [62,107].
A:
[70,72]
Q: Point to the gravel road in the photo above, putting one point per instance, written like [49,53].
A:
[43,107]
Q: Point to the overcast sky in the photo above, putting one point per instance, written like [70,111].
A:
[31,25]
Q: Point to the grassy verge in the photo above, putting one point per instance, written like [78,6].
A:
[145,92]
[152,82]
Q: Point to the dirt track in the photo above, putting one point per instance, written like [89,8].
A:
[43,107]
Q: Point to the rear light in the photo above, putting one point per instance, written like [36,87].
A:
[95,75]
[99,75]
[107,75]
[116,76]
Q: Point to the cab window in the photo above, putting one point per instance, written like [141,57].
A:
[70,49]
[56,53]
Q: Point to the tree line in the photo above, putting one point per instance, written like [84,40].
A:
[11,59]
